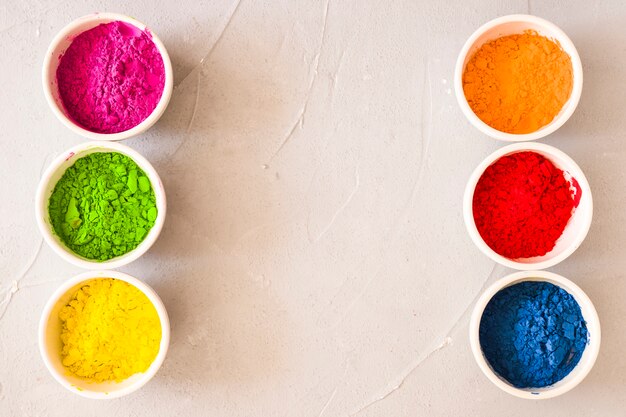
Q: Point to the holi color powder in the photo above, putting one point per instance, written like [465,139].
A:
[522,204]
[111,78]
[533,334]
[103,206]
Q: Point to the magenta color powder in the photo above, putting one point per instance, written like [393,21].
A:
[111,78]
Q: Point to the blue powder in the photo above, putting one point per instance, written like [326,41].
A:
[533,334]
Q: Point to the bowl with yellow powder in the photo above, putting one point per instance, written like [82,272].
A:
[104,334]
[100,205]
[518,78]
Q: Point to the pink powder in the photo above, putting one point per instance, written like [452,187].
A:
[111,78]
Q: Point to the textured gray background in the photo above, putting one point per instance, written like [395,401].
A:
[314,260]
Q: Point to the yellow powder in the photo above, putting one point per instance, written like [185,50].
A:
[110,331]
[518,83]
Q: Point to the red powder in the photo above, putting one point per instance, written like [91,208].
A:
[111,78]
[522,204]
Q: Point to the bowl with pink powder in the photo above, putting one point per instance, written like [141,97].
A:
[106,76]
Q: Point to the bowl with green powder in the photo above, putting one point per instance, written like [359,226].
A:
[100,205]
[104,334]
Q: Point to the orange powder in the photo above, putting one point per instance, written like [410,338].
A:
[518,83]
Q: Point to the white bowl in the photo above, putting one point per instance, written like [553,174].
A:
[56,170]
[57,48]
[50,340]
[587,359]
[576,229]
[509,25]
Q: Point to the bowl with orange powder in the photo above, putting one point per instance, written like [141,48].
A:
[518,78]
[104,334]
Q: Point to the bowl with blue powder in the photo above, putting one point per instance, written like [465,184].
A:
[535,334]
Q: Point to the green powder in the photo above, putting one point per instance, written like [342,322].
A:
[103,206]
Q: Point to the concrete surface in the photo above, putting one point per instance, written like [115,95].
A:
[314,261]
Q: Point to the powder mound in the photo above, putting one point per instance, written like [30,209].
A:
[533,334]
[111,78]
[110,331]
[103,206]
[518,83]
[521,205]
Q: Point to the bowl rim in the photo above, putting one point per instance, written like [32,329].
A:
[87,276]
[569,106]
[67,254]
[591,318]
[156,113]
[572,167]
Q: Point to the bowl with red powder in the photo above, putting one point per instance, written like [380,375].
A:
[106,76]
[518,78]
[528,206]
